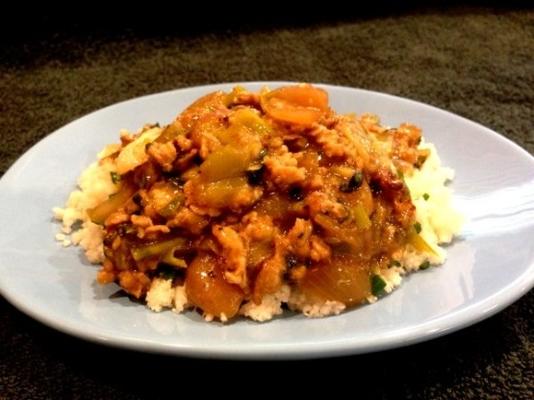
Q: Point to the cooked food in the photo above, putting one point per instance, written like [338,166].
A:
[251,202]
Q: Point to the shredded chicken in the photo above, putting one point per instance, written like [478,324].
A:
[235,255]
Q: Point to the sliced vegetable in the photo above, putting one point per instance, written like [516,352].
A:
[99,214]
[221,193]
[258,252]
[419,243]
[344,280]
[160,248]
[173,206]
[250,119]
[166,198]
[207,289]
[275,206]
[360,217]
[227,162]
[203,106]
[170,259]
[111,150]
[134,154]
[301,104]
[171,132]
[334,230]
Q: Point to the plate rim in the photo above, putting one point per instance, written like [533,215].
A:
[445,324]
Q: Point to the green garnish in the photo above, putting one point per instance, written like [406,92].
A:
[115,178]
[255,176]
[426,196]
[394,263]
[377,285]
[353,183]
[159,248]
[425,265]
[417,227]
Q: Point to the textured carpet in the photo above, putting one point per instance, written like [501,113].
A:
[476,62]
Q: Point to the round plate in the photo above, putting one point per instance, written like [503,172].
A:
[488,267]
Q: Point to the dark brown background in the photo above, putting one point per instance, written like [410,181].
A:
[474,61]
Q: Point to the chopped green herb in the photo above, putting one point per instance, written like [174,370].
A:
[115,178]
[255,176]
[172,207]
[352,184]
[394,263]
[425,265]
[417,227]
[377,285]
[426,196]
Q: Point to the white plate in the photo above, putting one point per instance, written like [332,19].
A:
[491,266]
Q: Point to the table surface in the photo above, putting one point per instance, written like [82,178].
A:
[476,62]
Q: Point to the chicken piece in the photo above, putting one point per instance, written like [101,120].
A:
[258,227]
[135,283]
[320,202]
[189,220]
[392,189]
[234,251]
[299,238]
[319,250]
[116,218]
[346,140]
[269,279]
[141,221]
[163,153]
[283,168]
